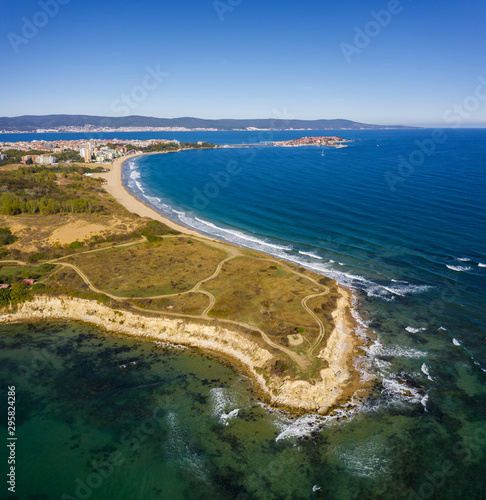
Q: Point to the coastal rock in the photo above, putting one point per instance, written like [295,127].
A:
[297,394]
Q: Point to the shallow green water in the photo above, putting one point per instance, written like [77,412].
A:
[112,418]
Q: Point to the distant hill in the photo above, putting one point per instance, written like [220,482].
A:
[32,123]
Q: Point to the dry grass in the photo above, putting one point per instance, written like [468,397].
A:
[263,294]
[36,232]
[189,303]
[172,265]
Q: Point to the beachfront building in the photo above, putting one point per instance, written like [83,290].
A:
[45,159]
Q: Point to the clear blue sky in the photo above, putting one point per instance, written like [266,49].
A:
[246,59]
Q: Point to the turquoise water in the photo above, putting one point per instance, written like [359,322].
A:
[409,241]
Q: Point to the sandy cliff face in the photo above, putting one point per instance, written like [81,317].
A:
[299,394]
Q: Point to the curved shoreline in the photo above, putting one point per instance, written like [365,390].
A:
[342,346]
[114,186]
[338,383]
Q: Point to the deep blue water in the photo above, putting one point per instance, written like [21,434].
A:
[399,216]
[409,241]
[401,234]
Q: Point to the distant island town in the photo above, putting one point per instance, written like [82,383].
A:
[336,142]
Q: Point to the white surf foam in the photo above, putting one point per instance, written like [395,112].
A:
[424,401]
[221,400]
[242,236]
[181,450]
[310,254]
[410,329]
[378,349]
[459,268]
[481,265]
[425,371]
[225,417]
[463,259]
[135,175]
[364,459]
[401,391]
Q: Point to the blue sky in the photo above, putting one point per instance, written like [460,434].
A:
[422,63]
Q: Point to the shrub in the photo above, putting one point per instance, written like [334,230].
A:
[6,236]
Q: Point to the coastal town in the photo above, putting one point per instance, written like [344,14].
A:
[76,150]
[336,142]
[43,152]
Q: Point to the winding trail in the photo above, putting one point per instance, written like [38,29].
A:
[302,360]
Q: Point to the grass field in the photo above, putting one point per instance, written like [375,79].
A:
[169,266]
[134,263]
[190,303]
[263,294]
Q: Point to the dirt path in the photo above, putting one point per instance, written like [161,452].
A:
[302,360]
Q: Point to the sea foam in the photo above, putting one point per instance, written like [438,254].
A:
[459,268]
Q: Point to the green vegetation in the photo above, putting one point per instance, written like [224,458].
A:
[66,281]
[269,297]
[15,156]
[68,156]
[171,265]
[165,147]
[142,265]
[154,229]
[42,190]
[6,236]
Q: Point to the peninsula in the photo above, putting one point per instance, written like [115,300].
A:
[71,232]
[334,142]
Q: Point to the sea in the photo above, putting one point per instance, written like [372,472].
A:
[398,216]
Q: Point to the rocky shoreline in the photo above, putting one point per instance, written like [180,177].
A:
[339,381]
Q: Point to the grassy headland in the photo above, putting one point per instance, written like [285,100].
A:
[88,246]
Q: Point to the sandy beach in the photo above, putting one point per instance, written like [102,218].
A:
[115,187]
[339,382]
[339,351]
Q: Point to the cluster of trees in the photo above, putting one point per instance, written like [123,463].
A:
[15,156]
[195,145]
[11,204]
[68,155]
[170,146]
[36,191]
[6,236]
[14,295]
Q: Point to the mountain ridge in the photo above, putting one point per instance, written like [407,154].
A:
[29,123]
